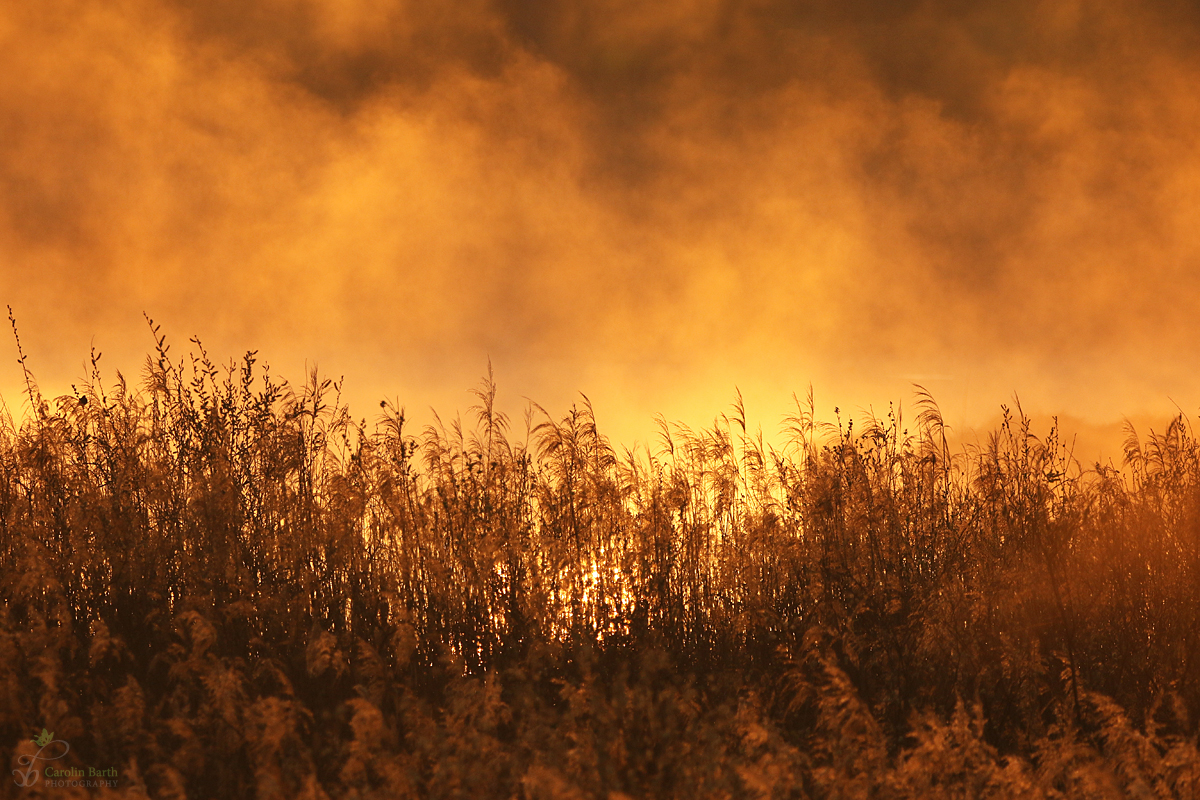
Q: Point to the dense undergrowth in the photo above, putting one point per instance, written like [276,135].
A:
[226,587]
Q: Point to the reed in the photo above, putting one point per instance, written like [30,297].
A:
[227,586]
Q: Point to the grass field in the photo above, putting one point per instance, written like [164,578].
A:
[224,586]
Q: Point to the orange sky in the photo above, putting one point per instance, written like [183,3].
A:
[649,204]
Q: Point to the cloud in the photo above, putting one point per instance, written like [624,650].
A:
[647,203]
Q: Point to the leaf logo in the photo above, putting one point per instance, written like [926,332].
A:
[30,775]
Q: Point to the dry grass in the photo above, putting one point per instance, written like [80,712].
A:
[227,587]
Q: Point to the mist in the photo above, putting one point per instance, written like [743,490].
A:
[650,206]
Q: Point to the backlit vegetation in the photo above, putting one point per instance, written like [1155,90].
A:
[226,586]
